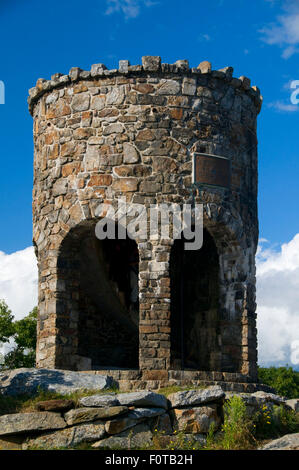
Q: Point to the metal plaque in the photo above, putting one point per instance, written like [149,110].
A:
[211,169]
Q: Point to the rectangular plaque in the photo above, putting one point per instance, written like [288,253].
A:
[211,169]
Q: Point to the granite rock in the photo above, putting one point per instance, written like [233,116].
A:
[67,437]
[196,397]
[29,422]
[288,442]
[139,436]
[83,415]
[26,380]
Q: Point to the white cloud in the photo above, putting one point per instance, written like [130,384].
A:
[278,301]
[284,32]
[204,38]
[283,107]
[18,281]
[129,8]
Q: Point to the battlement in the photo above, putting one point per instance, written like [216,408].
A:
[151,65]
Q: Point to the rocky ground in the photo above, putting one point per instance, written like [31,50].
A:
[119,420]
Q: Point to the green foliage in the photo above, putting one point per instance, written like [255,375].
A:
[17,358]
[210,437]
[274,421]
[263,423]
[178,441]
[6,323]
[25,330]
[284,380]
[22,333]
[286,421]
[237,430]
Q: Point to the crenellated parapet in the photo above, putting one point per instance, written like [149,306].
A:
[150,65]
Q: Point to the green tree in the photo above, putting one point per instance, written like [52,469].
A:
[21,333]
[284,380]
[25,331]
[6,322]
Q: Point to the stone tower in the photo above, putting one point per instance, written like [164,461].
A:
[149,133]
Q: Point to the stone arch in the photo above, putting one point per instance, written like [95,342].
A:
[96,321]
[219,327]
[236,288]
[195,322]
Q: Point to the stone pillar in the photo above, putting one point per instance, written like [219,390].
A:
[154,325]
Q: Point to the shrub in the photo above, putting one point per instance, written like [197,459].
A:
[275,421]
[284,380]
[237,430]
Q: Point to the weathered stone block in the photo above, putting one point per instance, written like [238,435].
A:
[29,422]
[189,86]
[106,400]
[205,67]
[130,153]
[67,437]
[196,397]
[143,399]
[125,184]
[151,63]
[169,87]
[119,425]
[136,437]
[80,102]
[288,442]
[84,415]
[196,420]
[61,405]
[25,381]
[100,180]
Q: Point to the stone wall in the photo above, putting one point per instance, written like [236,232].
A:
[129,420]
[132,132]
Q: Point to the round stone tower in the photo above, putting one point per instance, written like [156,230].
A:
[146,310]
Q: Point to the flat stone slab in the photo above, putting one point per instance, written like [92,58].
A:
[137,437]
[270,397]
[27,381]
[143,413]
[55,405]
[68,437]
[143,399]
[116,426]
[139,399]
[83,415]
[28,422]
[288,442]
[258,398]
[196,397]
[109,399]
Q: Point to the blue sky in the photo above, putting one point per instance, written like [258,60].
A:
[39,39]
[260,39]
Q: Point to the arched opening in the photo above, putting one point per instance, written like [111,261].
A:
[101,303]
[195,322]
